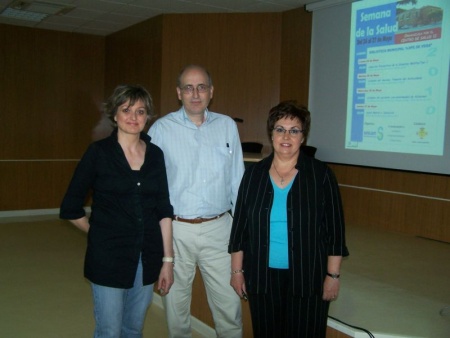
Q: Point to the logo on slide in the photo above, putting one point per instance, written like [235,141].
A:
[380,133]
[422,133]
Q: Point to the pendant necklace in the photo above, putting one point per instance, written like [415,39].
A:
[282,178]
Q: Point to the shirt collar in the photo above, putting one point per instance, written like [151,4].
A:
[186,118]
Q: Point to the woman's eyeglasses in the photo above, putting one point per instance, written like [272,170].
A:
[293,132]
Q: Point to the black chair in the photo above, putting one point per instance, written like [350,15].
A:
[309,150]
[252,147]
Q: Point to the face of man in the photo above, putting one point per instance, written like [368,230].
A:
[195,91]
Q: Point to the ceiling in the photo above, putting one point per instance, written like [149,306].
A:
[103,17]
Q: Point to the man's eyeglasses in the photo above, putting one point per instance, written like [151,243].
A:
[189,89]
[281,131]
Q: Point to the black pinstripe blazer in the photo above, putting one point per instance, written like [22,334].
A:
[315,225]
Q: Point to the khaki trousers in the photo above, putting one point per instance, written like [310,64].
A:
[204,245]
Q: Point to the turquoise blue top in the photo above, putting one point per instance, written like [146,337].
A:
[278,245]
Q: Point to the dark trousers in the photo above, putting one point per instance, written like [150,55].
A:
[279,314]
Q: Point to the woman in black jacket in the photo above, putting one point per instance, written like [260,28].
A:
[287,239]
[130,226]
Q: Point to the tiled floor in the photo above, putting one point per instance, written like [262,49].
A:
[392,285]
[42,290]
[395,285]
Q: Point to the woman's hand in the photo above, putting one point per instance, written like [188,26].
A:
[165,280]
[237,281]
[331,284]
[330,289]
[81,223]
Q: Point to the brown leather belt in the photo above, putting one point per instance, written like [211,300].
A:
[197,220]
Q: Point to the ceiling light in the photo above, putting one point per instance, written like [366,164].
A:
[34,10]
[23,15]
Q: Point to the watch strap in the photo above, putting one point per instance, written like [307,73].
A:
[333,275]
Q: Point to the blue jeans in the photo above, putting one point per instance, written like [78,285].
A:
[120,313]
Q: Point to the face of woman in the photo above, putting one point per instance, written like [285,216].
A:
[131,119]
[287,136]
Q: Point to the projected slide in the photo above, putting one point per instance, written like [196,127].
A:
[398,76]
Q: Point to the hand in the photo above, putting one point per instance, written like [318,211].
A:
[165,280]
[330,289]
[237,281]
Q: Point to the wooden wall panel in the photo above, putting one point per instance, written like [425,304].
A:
[295,55]
[396,201]
[29,185]
[134,57]
[51,90]
[242,53]
[395,180]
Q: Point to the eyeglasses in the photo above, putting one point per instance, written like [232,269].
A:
[293,132]
[189,89]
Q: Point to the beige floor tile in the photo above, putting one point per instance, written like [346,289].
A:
[42,289]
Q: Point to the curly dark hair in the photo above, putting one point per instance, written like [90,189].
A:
[292,110]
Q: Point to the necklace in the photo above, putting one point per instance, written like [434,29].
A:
[282,178]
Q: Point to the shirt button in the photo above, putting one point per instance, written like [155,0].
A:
[139,183]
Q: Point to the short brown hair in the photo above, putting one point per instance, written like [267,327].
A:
[124,93]
[292,110]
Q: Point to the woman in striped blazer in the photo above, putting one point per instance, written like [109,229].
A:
[288,237]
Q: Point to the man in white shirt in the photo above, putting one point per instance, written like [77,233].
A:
[204,163]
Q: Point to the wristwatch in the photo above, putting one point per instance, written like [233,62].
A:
[169,260]
[333,275]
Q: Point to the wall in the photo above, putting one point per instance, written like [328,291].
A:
[295,55]
[133,56]
[397,201]
[51,88]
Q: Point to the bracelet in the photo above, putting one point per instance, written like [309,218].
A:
[333,275]
[237,271]
[168,259]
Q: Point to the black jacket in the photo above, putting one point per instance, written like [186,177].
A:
[126,209]
[315,225]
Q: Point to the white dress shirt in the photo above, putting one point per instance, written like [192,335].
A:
[204,163]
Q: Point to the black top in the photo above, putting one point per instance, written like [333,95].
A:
[315,225]
[126,209]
